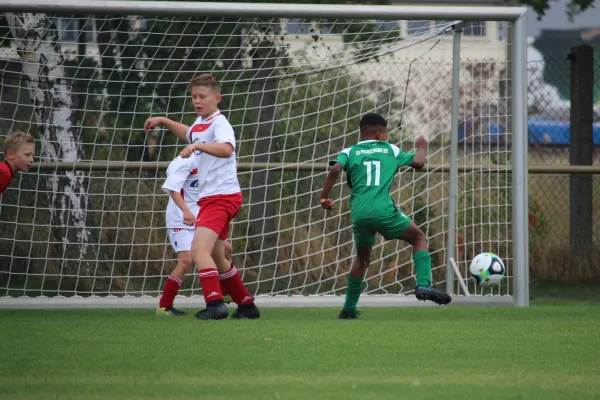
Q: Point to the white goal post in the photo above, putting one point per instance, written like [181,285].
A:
[85,226]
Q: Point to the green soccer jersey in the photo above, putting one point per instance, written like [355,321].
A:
[371,166]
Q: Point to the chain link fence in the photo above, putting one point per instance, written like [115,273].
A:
[549,194]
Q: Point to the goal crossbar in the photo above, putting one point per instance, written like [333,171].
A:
[226,9]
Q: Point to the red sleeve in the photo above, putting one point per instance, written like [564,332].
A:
[5,176]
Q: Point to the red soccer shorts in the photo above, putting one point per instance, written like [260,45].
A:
[217,212]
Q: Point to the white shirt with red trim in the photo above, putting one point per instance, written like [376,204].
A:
[182,177]
[216,176]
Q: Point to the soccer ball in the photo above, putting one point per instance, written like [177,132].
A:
[487,269]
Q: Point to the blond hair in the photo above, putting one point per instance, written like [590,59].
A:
[206,80]
[16,139]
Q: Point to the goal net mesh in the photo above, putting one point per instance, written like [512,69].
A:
[294,91]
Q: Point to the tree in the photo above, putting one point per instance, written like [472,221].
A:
[574,7]
[170,51]
[59,129]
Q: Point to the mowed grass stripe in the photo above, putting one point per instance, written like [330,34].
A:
[545,351]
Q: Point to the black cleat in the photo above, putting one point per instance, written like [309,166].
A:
[214,310]
[246,311]
[430,293]
[348,314]
[169,311]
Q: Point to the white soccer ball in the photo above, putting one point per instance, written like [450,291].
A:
[487,269]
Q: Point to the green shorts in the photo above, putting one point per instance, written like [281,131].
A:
[391,227]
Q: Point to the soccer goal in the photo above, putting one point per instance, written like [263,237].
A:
[85,227]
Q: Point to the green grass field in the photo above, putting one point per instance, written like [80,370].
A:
[547,351]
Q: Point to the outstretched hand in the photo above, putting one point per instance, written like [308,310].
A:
[421,142]
[151,123]
[327,204]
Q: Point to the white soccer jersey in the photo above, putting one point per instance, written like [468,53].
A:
[182,177]
[215,175]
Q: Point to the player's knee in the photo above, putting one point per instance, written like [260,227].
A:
[200,252]
[201,258]
[220,260]
[363,260]
[185,265]
[419,240]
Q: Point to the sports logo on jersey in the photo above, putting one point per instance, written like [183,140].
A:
[201,127]
[195,184]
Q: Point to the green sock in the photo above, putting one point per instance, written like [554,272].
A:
[352,292]
[422,262]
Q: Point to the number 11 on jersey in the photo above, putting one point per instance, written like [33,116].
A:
[370,165]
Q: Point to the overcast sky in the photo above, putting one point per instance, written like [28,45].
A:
[556,18]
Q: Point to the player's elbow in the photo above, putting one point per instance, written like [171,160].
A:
[227,150]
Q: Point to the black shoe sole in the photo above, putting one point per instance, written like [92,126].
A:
[249,313]
[348,315]
[213,314]
[442,301]
[215,318]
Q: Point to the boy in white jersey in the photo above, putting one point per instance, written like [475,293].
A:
[182,209]
[213,144]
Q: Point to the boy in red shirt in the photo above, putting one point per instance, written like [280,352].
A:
[19,150]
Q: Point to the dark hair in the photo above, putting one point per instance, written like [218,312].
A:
[370,120]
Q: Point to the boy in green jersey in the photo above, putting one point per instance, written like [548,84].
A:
[371,165]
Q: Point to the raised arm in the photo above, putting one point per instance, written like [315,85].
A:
[224,144]
[421,153]
[178,129]
[332,178]
[219,150]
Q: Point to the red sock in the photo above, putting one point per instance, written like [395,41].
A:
[209,280]
[232,281]
[223,288]
[169,292]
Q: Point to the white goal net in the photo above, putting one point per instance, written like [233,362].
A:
[89,219]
